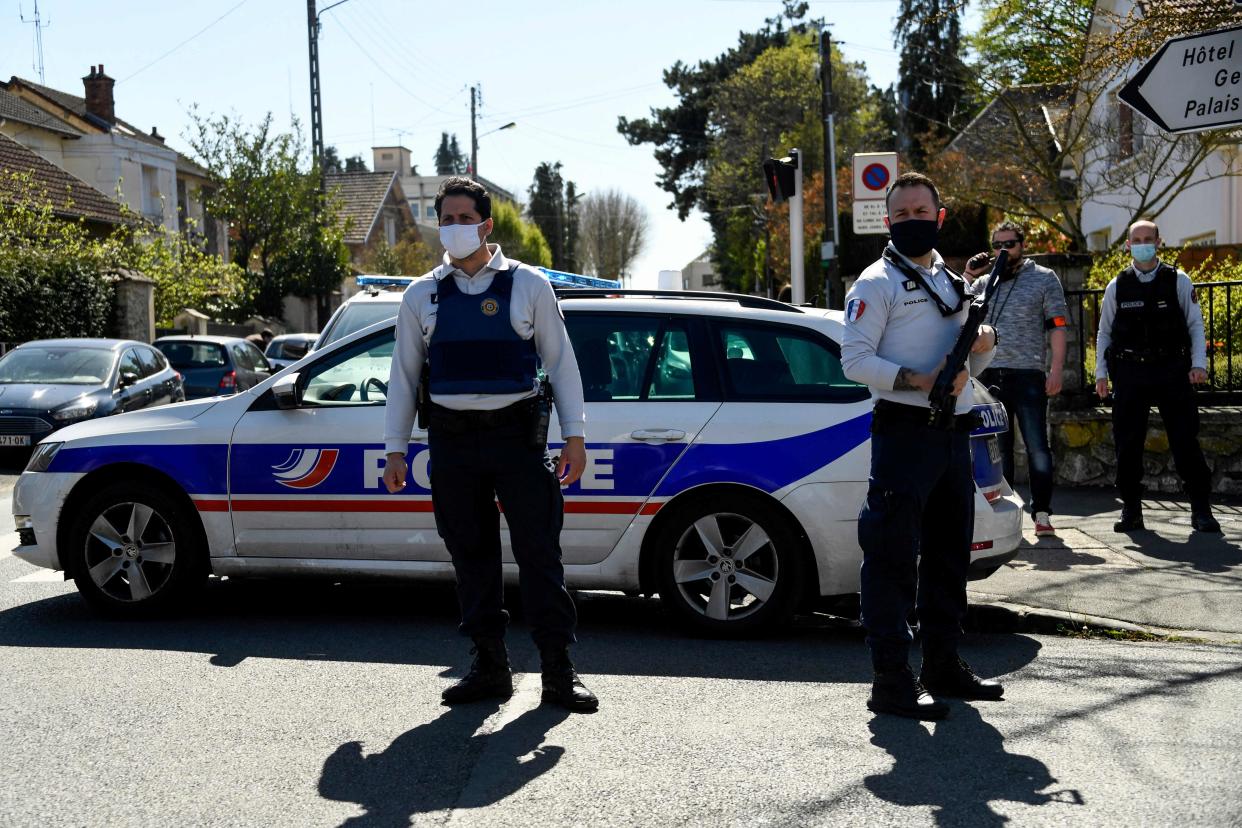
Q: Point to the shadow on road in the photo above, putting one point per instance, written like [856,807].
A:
[959,767]
[1205,553]
[1052,555]
[417,624]
[437,766]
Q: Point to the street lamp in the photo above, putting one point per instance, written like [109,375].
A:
[474,144]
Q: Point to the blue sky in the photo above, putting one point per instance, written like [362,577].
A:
[400,71]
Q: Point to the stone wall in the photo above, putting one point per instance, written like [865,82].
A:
[134,306]
[1083,450]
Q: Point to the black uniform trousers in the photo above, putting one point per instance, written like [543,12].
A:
[469,471]
[915,530]
[1136,388]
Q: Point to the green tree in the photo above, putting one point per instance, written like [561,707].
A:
[520,239]
[449,158]
[356,163]
[1025,42]
[410,256]
[933,82]
[283,224]
[551,208]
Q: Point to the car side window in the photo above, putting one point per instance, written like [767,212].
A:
[614,352]
[130,364]
[293,349]
[781,363]
[149,362]
[357,375]
[258,362]
[672,378]
[241,358]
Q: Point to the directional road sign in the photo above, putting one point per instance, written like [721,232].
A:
[1192,83]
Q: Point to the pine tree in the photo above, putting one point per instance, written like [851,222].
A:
[932,88]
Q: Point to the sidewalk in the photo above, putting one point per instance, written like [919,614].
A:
[1167,576]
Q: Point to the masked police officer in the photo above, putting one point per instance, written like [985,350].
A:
[482,325]
[1151,344]
[903,315]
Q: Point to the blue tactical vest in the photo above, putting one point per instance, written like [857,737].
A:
[474,349]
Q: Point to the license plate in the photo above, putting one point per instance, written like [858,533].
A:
[14,439]
[994,450]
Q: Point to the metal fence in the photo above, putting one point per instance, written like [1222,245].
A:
[1221,303]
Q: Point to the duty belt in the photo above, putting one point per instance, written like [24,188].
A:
[461,422]
[1147,356]
[887,411]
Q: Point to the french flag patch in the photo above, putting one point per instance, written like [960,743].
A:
[854,310]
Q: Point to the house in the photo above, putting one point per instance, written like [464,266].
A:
[1133,159]
[699,274]
[71,197]
[85,137]
[372,208]
[420,190]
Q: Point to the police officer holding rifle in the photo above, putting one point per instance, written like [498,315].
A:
[471,337]
[909,335]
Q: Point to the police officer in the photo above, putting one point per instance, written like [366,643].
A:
[483,325]
[1029,307]
[903,315]
[1151,344]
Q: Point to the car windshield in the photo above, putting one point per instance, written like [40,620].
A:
[356,316]
[69,366]
[184,354]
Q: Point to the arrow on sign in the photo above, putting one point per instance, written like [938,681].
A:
[1192,83]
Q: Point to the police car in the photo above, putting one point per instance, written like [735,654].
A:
[727,460]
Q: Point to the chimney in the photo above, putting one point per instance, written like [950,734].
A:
[99,95]
[155,133]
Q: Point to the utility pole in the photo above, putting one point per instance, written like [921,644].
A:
[833,288]
[796,257]
[474,135]
[312,28]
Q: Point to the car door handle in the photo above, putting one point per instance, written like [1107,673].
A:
[658,435]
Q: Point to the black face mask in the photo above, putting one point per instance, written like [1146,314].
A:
[914,237]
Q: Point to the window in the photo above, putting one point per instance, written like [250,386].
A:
[152,205]
[130,365]
[188,354]
[390,230]
[1201,240]
[1097,240]
[258,362]
[629,357]
[357,375]
[784,364]
[241,358]
[150,360]
[431,211]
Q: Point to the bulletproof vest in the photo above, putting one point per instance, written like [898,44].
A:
[1149,319]
[474,349]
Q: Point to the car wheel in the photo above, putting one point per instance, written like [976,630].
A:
[729,565]
[135,550]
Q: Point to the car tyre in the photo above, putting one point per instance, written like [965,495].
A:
[729,564]
[135,551]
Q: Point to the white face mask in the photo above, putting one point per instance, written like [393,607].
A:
[460,240]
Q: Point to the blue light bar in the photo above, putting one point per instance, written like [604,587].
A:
[384,281]
[562,279]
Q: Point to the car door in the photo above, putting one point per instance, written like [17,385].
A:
[308,482]
[154,378]
[243,365]
[647,400]
[132,392]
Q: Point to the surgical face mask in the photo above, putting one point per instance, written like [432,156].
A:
[914,237]
[1143,252]
[460,240]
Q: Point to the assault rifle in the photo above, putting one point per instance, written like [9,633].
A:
[942,400]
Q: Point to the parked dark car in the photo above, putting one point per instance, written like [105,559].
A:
[50,383]
[215,365]
[286,349]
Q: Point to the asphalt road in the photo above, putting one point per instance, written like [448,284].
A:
[311,704]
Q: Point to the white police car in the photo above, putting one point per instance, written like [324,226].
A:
[728,459]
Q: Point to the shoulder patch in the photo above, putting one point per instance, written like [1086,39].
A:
[854,310]
[1194,295]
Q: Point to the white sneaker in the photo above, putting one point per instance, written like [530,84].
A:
[1043,525]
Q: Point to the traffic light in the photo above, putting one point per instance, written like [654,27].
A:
[779,174]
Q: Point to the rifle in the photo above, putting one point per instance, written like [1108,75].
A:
[942,400]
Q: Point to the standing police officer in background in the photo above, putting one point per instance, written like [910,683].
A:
[903,316]
[1029,303]
[483,325]
[1151,344]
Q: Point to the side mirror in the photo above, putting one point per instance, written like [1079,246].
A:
[128,378]
[287,392]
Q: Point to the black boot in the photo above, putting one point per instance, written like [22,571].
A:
[897,692]
[949,675]
[1201,518]
[1131,519]
[489,676]
[561,685]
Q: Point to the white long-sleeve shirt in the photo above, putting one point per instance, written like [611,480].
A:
[1190,308]
[534,314]
[892,323]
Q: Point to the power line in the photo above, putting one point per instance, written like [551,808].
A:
[384,71]
[184,42]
